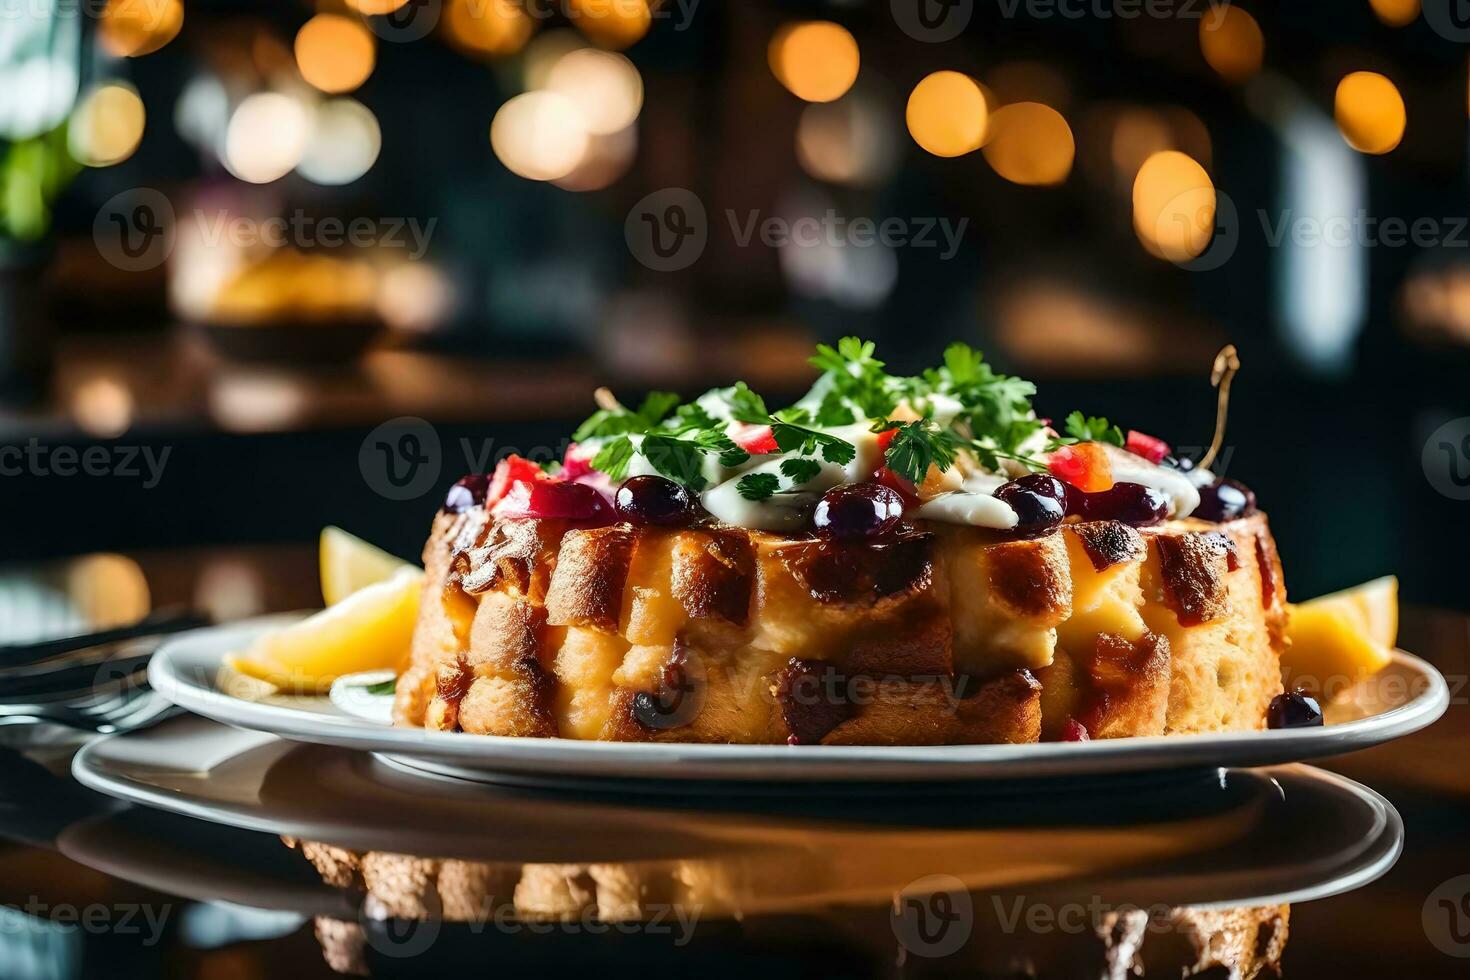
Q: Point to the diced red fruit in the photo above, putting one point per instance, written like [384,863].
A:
[554,500]
[1149,447]
[885,439]
[576,462]
[898,484]
[1075,731]
[509,471]
[1084,465]
[754,439]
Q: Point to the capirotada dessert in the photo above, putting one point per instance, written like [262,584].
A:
[890,561]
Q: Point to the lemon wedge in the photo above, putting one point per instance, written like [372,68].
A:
[369,630]
[349,563]
[1338,639]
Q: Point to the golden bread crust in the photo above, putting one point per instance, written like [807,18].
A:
[939,634]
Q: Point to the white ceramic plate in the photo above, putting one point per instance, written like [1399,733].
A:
[1241,837]
[1408,695]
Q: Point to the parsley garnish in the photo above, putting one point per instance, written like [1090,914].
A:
[918,445]
[964,407]
[799,470]
[619,421]
[1084,429]
[758,486]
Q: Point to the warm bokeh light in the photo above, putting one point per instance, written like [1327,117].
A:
[375,7]
[1396,13]
[1030,143]
[946,114]
[611,23]
[1173,206]
[132,28]
[414,297]
[605,86]
[1370,112]
[542,54]
[816,60]
[608,158]
[487,28]
[266,137]
[1231,42]
[106,126]
[103,407]
[539,135]
[849,141]
[344,145]
[334,53]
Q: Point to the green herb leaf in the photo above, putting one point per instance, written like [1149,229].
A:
[1084,429]
[918,445]
[799,470]
[382,688]
[614,457]
[746,406]
[678,459]
[834,410]
[758,486]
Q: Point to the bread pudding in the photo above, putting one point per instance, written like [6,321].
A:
[892,561]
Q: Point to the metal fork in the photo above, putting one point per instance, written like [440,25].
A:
[123,711]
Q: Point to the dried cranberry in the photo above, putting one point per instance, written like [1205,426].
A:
[1131,503]
[857,510]
[554,500]
[1294,709]
[468,492]
[653,500]
[1075,731]
[1039,500]
[1225,500]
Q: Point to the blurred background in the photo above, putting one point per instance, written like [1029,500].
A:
[256,257]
